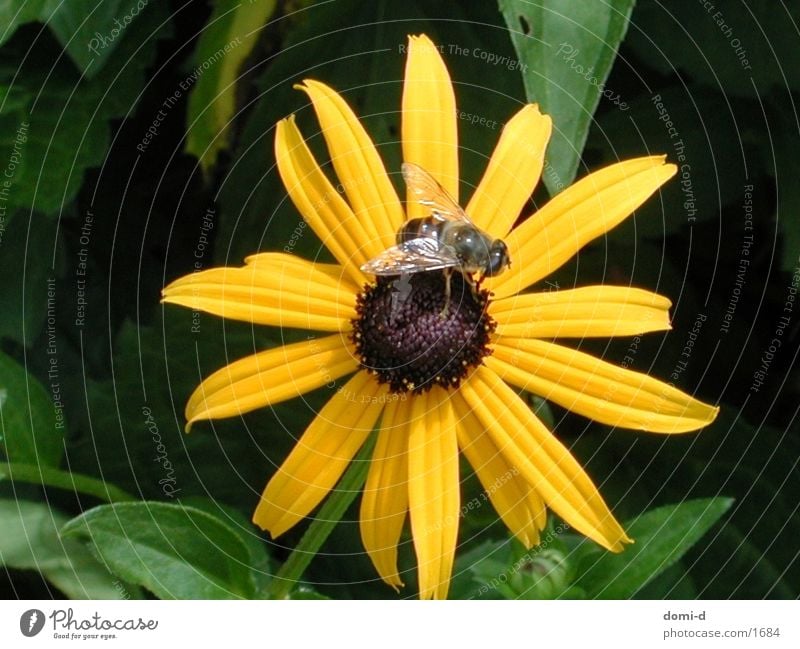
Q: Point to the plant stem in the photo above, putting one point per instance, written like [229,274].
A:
[321,527]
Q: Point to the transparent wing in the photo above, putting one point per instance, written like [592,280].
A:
[431,194]
[413,256]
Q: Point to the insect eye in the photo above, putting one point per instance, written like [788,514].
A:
[498,258]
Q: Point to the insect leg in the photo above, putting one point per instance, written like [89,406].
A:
[448,273]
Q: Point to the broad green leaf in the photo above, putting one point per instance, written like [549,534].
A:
[260,565]
[227,40]
[50,477]
[674,583]
[57,124]
[173,551]
[662,536]
[90,30]
[30,541]
[14,13]
[32,424]
[566,50]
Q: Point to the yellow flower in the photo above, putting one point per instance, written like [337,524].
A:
[434,385]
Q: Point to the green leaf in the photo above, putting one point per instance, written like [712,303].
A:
[229,37]
[566,50]
[89,30]
[31,425]
[14,13]
[30,541]
[662,536]
[175,552]
[56,125]
[50,477]
[260,564]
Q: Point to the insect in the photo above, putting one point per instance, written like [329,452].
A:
[446,240]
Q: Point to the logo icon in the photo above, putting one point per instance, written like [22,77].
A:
[31,622]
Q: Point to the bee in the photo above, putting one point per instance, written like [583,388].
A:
[446,240]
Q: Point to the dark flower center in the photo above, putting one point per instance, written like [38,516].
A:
[407,338]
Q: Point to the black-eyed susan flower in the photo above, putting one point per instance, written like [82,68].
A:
[433,382]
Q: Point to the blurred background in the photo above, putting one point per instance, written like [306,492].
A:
[136,145]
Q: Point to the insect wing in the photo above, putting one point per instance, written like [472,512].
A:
[431,194]
[413,256]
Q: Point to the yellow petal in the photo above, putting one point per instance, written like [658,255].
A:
[512,497]
[543,461]
[584,211]
[317,200]
[277,290]
[358,166]
[429,129]
[270,377]
[433,490]
[513,171]
[581,312]
[321,455]
[596,389]
[385,501]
